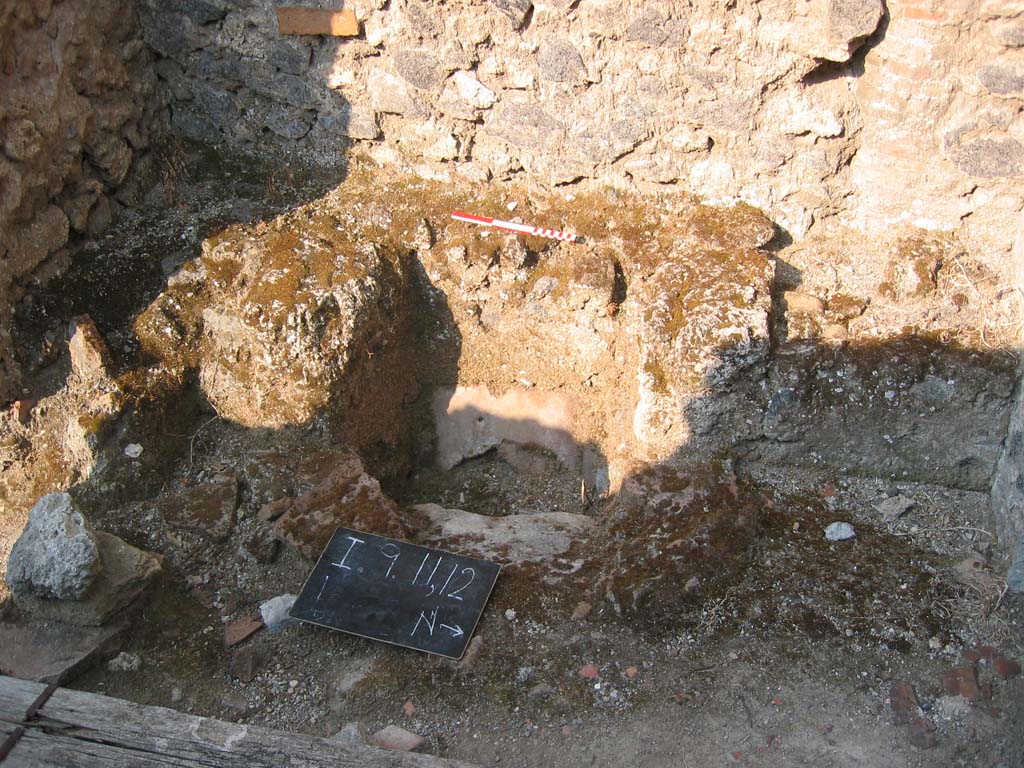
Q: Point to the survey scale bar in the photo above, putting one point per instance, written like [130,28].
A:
[511,226]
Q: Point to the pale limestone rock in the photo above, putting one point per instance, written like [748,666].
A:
[472,91]
[538,537]
[397,738]
[686,138]
[803,303]
[56,556]
[89,354]
[389,94]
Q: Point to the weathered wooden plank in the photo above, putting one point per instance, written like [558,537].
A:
[38,749]
[16,696]
[317,21]
[87,729]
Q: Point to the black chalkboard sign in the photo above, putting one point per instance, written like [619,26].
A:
[397,592]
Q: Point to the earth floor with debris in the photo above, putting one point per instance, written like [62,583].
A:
[897,646]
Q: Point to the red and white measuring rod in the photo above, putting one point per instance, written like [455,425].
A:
[511,226]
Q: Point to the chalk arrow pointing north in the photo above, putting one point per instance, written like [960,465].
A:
[456,630]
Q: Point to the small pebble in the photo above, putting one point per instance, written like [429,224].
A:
[510,615]
[124,662]
[541,691]
[840,532]
[352,733]
[133,450]
[275,612]
[582,610]
[397,738]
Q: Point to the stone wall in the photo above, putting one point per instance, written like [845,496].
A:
[1008,494]
[874,113]
[75,82]
[1008,479]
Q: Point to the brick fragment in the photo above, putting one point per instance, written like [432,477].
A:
[1005,668]
[317,21]
[962,681]
[237,631]
[904,703]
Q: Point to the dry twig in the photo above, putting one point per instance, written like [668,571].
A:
[192,440]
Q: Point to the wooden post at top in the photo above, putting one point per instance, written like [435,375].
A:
[292,20]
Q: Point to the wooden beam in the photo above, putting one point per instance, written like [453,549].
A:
[292,20]
[88,730]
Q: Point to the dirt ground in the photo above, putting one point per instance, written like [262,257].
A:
[790,659]
[792,663]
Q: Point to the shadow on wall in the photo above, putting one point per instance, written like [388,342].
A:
[913,408]
[908,409]
[113,278]
[469,422]
[229,76]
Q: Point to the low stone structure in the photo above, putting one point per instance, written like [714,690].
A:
[275,322]
[658,330]
[515,539]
